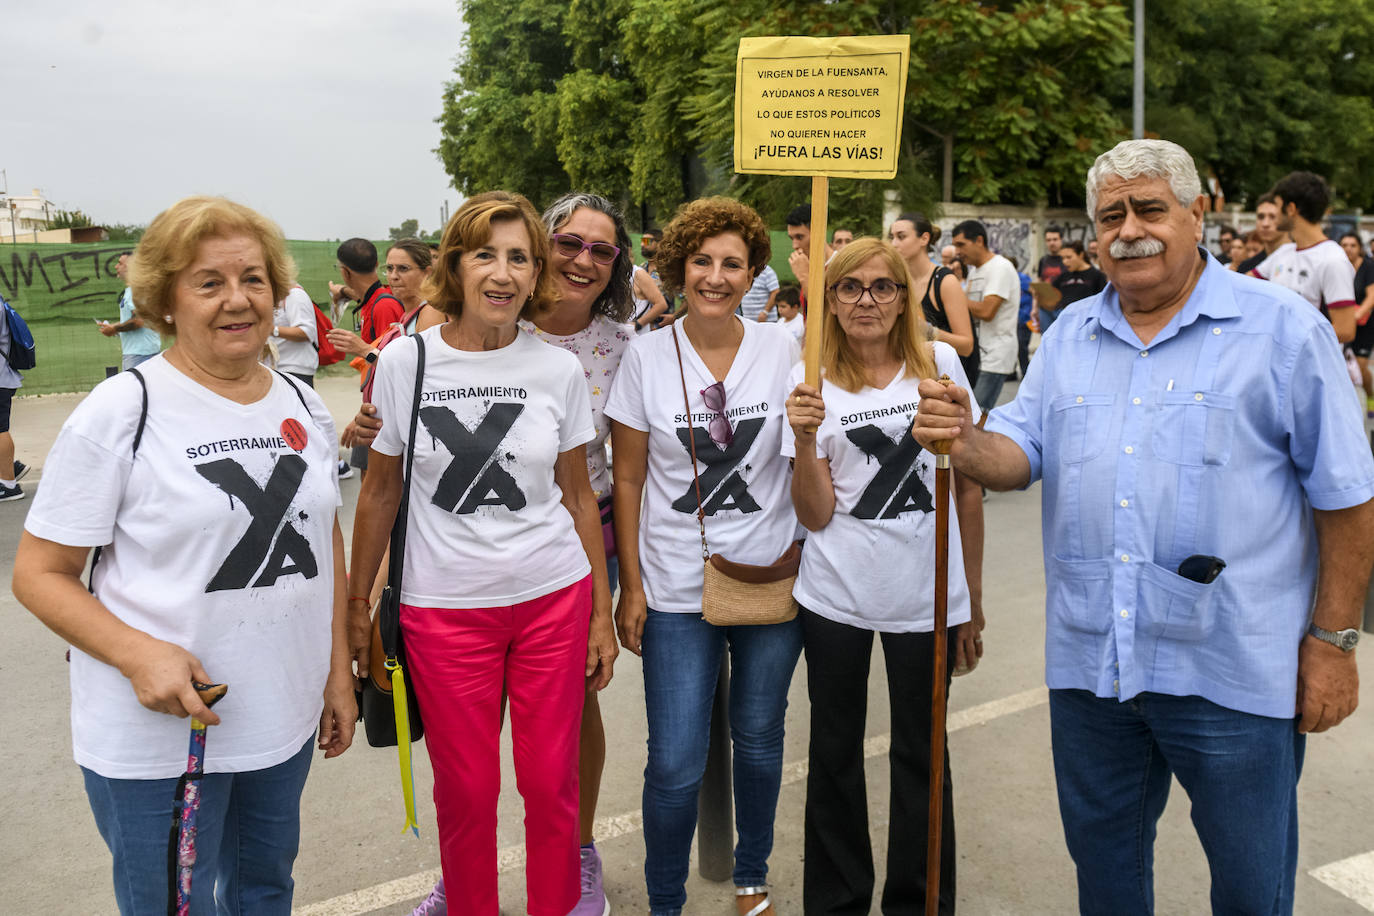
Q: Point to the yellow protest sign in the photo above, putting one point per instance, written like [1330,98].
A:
[820,106]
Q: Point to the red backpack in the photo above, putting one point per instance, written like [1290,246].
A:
[329,354]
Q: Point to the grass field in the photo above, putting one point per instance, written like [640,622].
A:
[74,356]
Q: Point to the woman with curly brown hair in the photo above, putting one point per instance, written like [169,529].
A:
[504,569]
[731,374]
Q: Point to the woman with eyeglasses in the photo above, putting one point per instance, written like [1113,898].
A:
[863,487]
[731,376]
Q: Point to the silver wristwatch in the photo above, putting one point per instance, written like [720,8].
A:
[1344,640]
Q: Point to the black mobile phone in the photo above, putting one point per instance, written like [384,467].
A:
[1201,568]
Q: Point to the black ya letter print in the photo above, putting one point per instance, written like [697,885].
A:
[270,536]
[896,487]
[722,487]
[474,477]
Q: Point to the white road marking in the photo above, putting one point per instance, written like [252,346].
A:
[1353,877]
[415,887]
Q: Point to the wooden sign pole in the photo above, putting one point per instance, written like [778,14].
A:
[815,280]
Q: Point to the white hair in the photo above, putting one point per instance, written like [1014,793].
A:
[1146,158]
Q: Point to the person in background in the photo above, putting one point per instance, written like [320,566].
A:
[1254,250]
[649,304]
[505,568]
[1208,512]
[295,333]
[1078,281]
[789,311]
[1051,264]
[942,299]
[1236,253]
[840,238]
[949,257]
[733,373]
[863,489]
[1225,237]
[1091,253]
[1363,343]
[1023,320]
[1266,231]
[222,562]
[994,296]
[10,382]
[137,344]
[757,304]
[799,233]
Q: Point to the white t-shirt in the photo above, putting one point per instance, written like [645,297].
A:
[1321,274]
[297,311]
[641,304]
[744,487]
[996,337]
[796,325]
[598,347]
[220,534]
[757,296]
[487,523]
[872,565]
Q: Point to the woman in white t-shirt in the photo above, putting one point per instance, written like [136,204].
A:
[711,251]
[863,487]
[209,480]
[504,566]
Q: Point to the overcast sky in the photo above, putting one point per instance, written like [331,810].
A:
[320,115]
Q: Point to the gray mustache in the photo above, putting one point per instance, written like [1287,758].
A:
[1140,248]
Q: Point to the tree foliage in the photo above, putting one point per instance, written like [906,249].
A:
[409,229]
[1257,88]
[634,98]
[69,219]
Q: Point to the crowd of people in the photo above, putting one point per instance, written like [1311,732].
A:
[1192,630]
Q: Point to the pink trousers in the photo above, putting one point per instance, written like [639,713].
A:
[461,660]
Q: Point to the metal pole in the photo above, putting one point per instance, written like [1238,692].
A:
[715,799]
[1138,96]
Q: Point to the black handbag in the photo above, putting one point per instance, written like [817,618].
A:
[378,707]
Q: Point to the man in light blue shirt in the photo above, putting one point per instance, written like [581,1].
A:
[137,343]
[1208,536]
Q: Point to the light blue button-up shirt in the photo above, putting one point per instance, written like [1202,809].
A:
[1219,437]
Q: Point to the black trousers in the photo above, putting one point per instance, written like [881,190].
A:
[838,870]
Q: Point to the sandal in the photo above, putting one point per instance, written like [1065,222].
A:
[763,906]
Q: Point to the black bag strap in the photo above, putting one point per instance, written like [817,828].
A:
[133,453]
[691,446]
[295,386]
[389,616]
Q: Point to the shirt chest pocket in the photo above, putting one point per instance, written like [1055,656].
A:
[1081,423]
[1195,428]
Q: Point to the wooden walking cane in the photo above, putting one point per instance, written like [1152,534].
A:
[939,693]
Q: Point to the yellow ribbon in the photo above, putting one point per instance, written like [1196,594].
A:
[402,708]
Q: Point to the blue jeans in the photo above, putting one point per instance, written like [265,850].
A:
[682,658]
[1112,763]
[131,360]
[247,834]
[988,388]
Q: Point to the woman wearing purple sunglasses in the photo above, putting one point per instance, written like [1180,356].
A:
[734,374]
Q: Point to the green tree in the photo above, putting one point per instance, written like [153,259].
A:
[409,229]
[1257,88]
[125,232]
[69,219]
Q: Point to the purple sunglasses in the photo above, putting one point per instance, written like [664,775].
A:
[722,433]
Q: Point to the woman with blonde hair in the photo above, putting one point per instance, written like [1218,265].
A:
[863,486]
[504,569]
[207,482]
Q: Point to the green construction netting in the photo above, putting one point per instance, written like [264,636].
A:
[59,289]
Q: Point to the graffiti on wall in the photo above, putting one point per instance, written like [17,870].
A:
[62,284]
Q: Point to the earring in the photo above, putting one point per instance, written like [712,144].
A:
[167,318]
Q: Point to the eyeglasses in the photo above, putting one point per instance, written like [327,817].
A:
[570,246]
[881,291]
[722,433]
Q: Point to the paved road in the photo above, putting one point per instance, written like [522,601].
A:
[355,858]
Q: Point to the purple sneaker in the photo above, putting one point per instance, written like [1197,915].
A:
[436,904]
[593,902]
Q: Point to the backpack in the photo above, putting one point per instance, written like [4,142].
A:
[329,354]
[23,353]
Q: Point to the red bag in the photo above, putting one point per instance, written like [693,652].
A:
[329,354]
